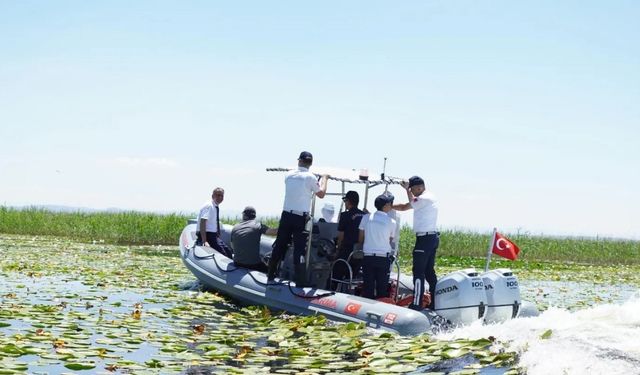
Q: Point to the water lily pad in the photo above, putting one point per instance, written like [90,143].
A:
[80,365]
[454,353]
[547,334]
[401,368]
[12,350]
[382,362]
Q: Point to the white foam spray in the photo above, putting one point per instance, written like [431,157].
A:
[603,339]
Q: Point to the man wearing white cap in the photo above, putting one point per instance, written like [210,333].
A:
[328,210]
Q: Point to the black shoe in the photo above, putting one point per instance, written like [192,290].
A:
[271,272]
[300,276]
[415,307]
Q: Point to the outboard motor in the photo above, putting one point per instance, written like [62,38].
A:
[460,297]
[503,295]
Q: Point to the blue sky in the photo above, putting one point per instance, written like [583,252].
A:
[521,115]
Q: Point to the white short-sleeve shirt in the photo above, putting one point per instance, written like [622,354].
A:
[378,228]
[425,213]
[209,212]
[300,184]
[396,234]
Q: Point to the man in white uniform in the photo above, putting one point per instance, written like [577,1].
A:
[208,224]
[377,231]
[300,185]
[425,216]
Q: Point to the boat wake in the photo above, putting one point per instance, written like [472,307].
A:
[604,339]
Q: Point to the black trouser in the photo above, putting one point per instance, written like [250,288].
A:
[258,266]
[215,242]
[424,259]
[375,276]
[291,225]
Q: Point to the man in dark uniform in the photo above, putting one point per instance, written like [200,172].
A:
[348,233]
[300,185]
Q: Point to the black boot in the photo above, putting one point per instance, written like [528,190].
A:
[273,267]
[301,275]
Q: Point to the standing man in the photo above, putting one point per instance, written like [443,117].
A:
[376,231]
[245,241]
[208,224]
[300,185]
[425,216]
[348,234]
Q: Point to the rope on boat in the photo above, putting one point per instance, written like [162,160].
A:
[438,323]
[280,283]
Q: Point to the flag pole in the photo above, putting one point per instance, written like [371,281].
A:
[491,241]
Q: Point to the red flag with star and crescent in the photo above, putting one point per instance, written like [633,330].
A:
[504,247]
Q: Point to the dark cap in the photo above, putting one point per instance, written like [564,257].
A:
[352,196]
[306,156]
[389,196]
[249,212]
[382,200]
[415,180]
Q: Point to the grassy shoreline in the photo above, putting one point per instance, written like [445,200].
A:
[137,228]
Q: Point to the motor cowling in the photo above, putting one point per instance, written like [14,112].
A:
[503,295]
[460,297]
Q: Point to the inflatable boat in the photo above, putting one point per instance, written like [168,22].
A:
[461,297]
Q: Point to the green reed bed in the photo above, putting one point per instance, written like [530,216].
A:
[461,244]
[137,228]
[116,228]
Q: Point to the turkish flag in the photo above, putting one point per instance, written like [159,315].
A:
[504,247]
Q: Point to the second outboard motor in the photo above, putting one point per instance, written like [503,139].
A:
[503,295]
[460,297]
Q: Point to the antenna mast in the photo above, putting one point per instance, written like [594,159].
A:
[384,168]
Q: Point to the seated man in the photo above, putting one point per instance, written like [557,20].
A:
[245,241]
[328,210]
[208,229]
[326,227]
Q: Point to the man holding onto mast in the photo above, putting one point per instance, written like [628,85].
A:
[425,216]
[300,185]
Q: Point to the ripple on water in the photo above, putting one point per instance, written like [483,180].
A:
[602,339]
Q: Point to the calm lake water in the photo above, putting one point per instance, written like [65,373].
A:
[116,310]
[598,339]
